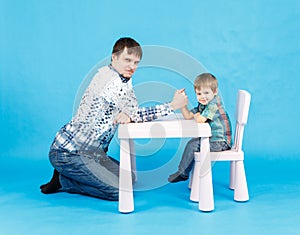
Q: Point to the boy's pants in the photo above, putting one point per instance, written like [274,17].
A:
[187,161]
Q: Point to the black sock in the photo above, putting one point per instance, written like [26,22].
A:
[53,185]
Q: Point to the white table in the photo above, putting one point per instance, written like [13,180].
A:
[167,128]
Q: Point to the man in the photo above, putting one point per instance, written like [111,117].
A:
[78,152]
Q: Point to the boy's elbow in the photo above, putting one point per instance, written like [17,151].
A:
[188,117]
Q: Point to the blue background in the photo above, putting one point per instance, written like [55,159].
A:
[48,47]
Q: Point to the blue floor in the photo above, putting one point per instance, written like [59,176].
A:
[274,206]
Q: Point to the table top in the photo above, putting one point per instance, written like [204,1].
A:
[173,126]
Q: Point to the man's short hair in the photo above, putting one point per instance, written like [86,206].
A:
[133,47]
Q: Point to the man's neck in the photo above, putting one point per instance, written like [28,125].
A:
[124,79]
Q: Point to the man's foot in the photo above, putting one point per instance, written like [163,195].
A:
[53,185]
[177,177]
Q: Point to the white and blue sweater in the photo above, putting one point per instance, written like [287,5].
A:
[107,95]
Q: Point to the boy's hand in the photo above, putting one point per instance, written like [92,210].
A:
[199,119]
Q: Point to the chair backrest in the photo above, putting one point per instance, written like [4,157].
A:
[241,116]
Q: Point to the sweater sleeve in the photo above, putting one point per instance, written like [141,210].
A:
[145,114]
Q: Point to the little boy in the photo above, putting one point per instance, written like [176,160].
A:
[210,109]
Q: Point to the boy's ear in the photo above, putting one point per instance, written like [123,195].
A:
[216,92]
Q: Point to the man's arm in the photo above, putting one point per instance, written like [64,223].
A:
[180,99]
[144,114]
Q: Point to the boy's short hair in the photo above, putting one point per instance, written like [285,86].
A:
[206,80]
[133,47]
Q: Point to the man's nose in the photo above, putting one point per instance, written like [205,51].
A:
[133,66]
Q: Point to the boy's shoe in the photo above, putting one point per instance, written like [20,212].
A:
[177,177]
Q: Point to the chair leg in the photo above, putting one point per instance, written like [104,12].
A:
[241,188]
[232,175]
[191,178]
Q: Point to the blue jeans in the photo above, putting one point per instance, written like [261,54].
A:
[89,173]
[187,161]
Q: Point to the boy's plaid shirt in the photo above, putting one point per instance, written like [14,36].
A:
[218,119]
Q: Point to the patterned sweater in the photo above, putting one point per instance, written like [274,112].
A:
[107,95]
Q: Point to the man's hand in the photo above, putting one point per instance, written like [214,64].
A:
[179,100]
[122,118]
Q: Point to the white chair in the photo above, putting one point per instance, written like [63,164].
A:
[235,155]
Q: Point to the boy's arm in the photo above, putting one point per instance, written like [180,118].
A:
[187,114]
[199,119]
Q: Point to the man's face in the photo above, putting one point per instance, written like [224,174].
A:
[125,63]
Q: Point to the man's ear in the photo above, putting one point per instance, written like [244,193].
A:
[114,57]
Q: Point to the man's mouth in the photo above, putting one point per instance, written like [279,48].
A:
[127,74]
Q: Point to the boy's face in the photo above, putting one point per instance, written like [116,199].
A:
[125,63]
[205,95]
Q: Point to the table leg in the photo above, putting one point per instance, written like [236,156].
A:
[206,197]
[194,196]
[126,203]
[133,158]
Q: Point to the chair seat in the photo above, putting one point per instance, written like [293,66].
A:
[228,155]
